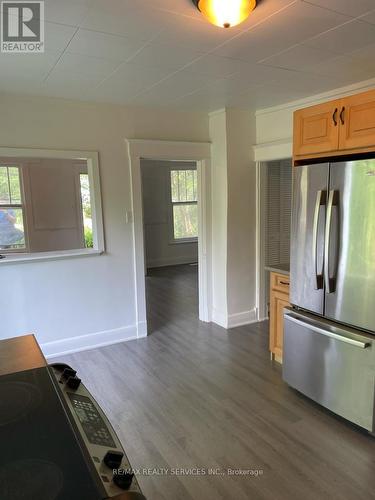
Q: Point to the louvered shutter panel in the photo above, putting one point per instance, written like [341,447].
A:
[278,216]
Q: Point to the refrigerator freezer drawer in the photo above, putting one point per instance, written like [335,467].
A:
[332,365]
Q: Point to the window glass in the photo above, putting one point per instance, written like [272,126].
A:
[12,232]
[184,185]
[45,205]
[184,204]
[86,210]
[185,221]
[12,235]
[15,185]
[4,186]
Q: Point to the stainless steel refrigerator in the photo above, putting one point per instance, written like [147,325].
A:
[329,342]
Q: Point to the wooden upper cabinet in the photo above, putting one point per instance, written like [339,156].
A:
[357,121]
[316,129]
[340,127]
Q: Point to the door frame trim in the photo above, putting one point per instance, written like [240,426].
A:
[199,152]
[270,151]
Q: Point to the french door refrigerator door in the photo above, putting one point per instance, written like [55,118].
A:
[350,244]
[310,185]
[331,364]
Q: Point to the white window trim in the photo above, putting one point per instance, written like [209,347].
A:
[21,258]
[172,239]
[92,159]
[16,251]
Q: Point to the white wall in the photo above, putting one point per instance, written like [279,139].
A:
[157,219]
[276,123]
[232,134]
[60,301]
[219,190]
[241,218]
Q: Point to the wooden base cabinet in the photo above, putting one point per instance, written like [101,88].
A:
[279,299]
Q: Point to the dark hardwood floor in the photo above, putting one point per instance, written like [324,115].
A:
[193,395]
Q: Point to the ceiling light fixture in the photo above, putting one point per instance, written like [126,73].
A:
[225,13]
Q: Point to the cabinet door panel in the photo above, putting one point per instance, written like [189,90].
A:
[357,121]
[316,129]
[279,301]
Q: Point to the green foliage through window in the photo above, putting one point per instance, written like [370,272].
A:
[184,201]
[10,186]
[12,235]
[184,185]
[86,210]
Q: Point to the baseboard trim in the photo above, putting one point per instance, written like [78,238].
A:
[266,318]
[142,329]
[219,318]
[91,341]
[243,318]
[234,320]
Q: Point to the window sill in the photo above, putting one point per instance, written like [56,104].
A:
[183,242]
[18,258]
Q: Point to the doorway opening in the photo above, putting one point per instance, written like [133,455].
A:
[171,234]
[275,189]
[200,153]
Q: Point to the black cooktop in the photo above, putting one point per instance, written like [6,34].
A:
[40,454]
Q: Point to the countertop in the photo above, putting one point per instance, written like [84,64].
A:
[280,268]
[19,354]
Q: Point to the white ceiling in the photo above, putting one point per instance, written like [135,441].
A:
[163,53]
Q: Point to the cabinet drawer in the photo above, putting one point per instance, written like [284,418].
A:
[334,366]
[280,282]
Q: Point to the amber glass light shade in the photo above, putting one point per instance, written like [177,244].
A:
[226,13]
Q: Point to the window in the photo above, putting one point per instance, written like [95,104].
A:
[12,225]
[50,205]
[184,205]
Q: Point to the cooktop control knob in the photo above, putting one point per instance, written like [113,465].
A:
[123,480]
[69,372]
[113,459]
[73,382]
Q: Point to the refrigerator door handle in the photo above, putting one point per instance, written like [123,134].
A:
[327,333]
[333,200]
[321,199]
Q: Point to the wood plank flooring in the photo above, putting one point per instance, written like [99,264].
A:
[194,395]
